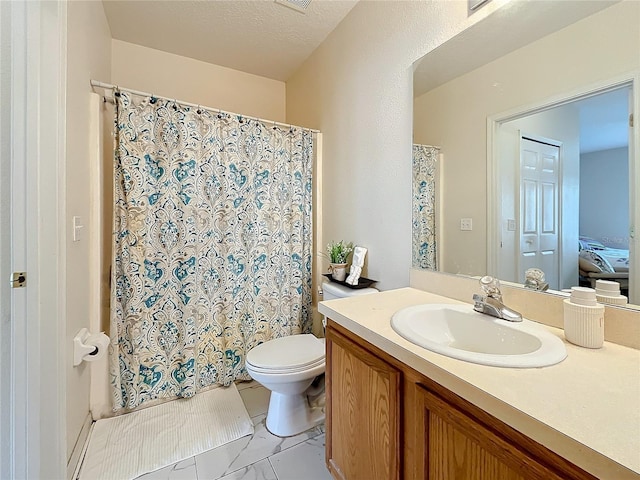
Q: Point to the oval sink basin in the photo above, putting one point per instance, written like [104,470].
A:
[460,332]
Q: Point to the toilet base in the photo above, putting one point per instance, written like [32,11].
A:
[290,415]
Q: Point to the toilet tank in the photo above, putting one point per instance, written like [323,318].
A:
[331,291]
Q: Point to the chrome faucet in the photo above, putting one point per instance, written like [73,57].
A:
[491,302]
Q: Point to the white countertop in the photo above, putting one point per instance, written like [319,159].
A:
[586,408]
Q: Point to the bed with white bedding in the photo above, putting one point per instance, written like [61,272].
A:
[599,262]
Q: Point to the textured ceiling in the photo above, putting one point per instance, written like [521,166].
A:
[260,37]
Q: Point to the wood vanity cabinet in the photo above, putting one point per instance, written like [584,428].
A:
[386,421]
[363,417]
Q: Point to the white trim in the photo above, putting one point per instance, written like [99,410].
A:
[560,99]
[439,212]
[493,195]
[95,211]
[80,449]
[49,224]
[317,265]
[634,192]
[38,49]
[99,389]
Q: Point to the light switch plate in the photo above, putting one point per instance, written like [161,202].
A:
[511,225]
[466,224]
[77,226]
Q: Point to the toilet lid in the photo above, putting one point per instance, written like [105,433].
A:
[287,353]
[285,370]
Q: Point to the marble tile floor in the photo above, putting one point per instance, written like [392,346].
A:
[262,456]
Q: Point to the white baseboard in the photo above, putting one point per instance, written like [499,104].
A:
[73,466]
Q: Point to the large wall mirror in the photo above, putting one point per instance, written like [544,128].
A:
[529,109]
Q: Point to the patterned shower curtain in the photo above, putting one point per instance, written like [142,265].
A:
[212,245]
[424,206]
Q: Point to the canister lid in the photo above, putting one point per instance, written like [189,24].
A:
[583,296]
[607,288]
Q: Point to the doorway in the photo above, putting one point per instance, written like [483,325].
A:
[597,165]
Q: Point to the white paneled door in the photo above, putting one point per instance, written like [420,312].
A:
[32,329]
[539,209]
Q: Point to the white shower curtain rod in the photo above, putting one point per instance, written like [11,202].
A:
[110,86]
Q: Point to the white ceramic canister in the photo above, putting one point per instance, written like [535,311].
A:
[584,318]
[609,292]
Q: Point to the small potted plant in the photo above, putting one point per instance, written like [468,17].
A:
[338,252]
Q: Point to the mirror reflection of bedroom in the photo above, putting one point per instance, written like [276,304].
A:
[565,204]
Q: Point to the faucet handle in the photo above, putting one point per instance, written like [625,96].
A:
[478,301]
[490,286]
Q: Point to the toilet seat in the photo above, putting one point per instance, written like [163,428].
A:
[292,354]
[284,371]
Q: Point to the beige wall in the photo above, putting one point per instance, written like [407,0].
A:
[357,88]
[88,56]
[604,196]
[453,116]
[174,76]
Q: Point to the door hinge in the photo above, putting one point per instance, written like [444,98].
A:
[631,119]
[18,279]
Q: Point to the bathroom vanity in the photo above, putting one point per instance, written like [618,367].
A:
[398,411]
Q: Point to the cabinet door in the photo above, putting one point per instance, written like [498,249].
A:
[458,447]
[363,402]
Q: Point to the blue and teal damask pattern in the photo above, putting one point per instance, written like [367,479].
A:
[212,245]
[424,206]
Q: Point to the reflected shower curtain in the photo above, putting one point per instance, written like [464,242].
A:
[212,245]
[424,206]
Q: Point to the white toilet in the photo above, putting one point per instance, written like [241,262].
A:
[332,291]
[288,366]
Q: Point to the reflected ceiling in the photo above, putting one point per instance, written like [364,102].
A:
[513,26]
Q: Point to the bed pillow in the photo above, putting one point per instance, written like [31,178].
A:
[588,243]
[590,261]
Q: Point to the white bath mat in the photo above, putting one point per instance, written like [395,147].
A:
[131,445]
